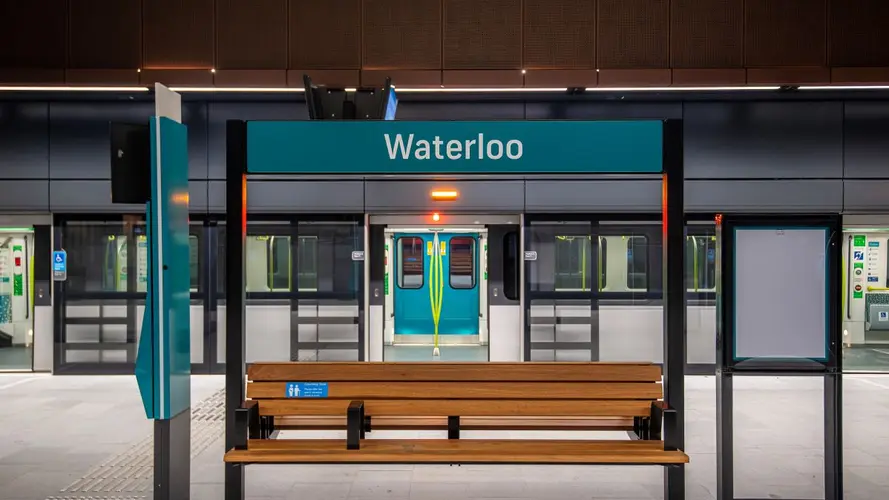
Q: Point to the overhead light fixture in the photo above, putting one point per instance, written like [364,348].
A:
[844,87]
[444,195]
[239,89]
[64,88]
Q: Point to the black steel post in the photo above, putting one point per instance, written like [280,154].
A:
[235,299]
[725,449]
[674,302]
[833,436]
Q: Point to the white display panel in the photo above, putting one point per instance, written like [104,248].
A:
[781,293]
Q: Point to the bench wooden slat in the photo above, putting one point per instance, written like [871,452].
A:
[460,451]
[475,390]
[466,424]
[454,372]
[463,408]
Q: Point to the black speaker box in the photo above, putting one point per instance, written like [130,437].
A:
[130,163]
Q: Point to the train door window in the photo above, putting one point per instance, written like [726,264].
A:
[462,262]
[194,265]
[603,263]
[511,264]
[410,262]
[637,262]
[279,263]
[307,260]
[700,258]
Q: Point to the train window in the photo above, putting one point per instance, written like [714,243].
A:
[193,262]
[307,259]
[462,262]
[278,263]
[637,262]
[411,258]
[700,263]
[574,266]
[511,264]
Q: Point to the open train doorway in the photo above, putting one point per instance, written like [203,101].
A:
[436,307]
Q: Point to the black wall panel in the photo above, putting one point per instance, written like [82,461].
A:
[867,139]
[763,140]
[604,111]
[24,147]
[220,112]
[461,111]
[79,136]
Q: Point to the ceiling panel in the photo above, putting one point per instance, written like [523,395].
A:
[33,33]
[178,34]
[251,34]
[785,33]
[559,34]
[325,34]
[859,33]
[105,34]
[707,33]
[482,34]
[404,34]
[633,34]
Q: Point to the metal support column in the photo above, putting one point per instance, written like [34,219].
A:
[725,449]
[833,435]
[235,287]
[674,303]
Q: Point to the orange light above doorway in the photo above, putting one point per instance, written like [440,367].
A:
[444,194]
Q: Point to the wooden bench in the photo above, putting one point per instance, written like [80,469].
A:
[363,397]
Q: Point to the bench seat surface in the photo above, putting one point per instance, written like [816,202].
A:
[466,451]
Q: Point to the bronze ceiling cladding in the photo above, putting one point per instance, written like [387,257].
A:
[482,34]
[633,34]
[177,34]
[403,34]
[559,34]
[707,33]
[785,33]
[104,34]
[859,33]
[251,34]
[33,33]
[325,34]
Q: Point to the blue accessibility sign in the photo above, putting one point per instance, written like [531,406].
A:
[306,390]
[59,265]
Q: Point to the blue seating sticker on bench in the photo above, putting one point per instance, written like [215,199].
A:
[306,390]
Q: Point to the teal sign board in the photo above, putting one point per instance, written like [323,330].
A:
[452,147]
[163,361]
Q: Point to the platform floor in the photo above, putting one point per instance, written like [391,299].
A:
[87,437]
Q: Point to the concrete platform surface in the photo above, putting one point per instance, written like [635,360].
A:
[87,437]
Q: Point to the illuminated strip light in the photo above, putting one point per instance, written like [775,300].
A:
[444,195]
[587,89]
[844,87]
[239,89]
[60,88]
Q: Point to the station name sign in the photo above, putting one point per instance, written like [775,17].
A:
[453,147]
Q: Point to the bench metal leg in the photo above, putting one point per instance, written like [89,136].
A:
[453,427]
[354,425]
[234,481]
[247,424]
[674,482]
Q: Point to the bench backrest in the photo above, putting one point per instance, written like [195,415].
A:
[462,389]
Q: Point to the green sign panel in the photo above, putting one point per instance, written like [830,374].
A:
[859,240]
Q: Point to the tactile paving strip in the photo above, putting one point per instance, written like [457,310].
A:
[128,476]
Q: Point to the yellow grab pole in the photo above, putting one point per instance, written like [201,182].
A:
[436,289]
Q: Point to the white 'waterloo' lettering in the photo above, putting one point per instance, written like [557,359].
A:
[453,149]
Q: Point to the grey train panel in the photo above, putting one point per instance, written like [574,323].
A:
[304,196]
[220,112]
[593,195]
[21,195]
[85,196]
[764,196]
[215,196]
[764,140]
[866,196]
[413,196]
[197,196]
[866,148]
[604,111]
[24,146]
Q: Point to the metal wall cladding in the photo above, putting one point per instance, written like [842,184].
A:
[451,42]
[415,196]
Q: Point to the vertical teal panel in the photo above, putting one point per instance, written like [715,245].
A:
[168,276]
